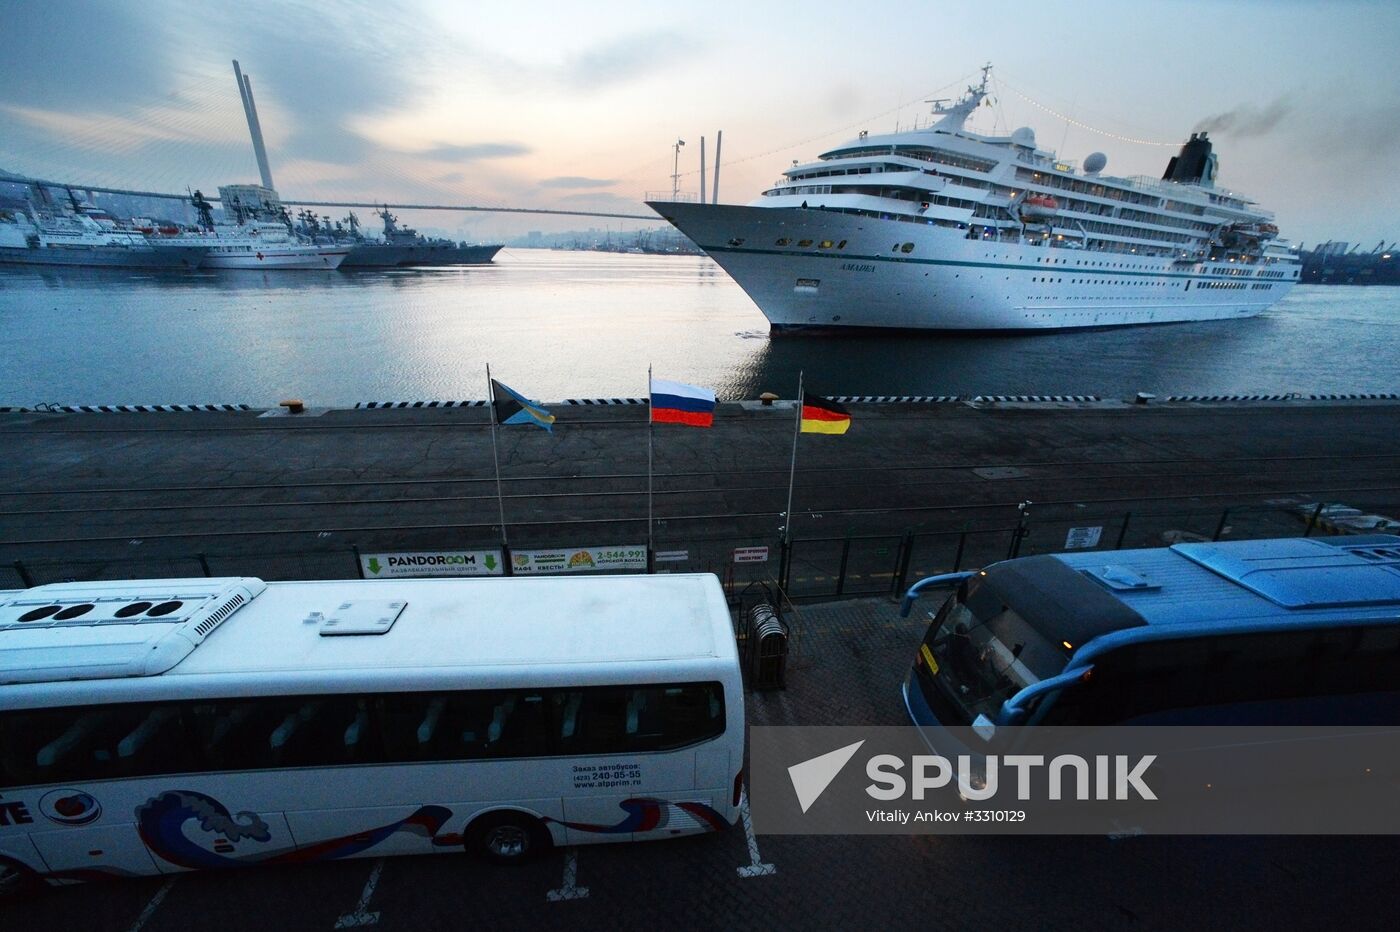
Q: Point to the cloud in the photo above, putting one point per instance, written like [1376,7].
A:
[575,181]
[623,59]
[163,123]
[475,151]
[88,53]
[1246,120]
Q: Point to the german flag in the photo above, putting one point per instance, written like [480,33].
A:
[823,416]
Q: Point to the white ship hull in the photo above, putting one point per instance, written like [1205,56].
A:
[274,257]
[948,282]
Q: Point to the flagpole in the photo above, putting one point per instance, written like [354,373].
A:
[496,457]
[792,473]
[649,458]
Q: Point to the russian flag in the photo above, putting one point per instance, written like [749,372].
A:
[678,403]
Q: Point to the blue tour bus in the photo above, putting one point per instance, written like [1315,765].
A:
[1300,631]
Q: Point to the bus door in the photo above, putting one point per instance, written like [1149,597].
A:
[650,773]
[112,847]
[82,819]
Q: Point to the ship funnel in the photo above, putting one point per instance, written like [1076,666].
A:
[1195,164]
[250,110]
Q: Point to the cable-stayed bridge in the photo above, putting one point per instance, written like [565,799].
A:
[291,201]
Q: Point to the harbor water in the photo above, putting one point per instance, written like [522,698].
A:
[559,324]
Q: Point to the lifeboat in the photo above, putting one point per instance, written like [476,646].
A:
[1039,207]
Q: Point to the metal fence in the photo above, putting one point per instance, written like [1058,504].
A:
[804,569]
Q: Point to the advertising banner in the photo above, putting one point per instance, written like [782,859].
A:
[579,559]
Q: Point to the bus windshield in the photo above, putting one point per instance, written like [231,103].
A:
[980,662]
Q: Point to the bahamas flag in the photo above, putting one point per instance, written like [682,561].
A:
[514,408]
[824,416]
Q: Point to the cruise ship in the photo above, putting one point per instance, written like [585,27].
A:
[942,228]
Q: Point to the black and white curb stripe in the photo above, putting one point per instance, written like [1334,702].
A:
[133,409]
[896,399]
[1287,397]
[1037,398]
[605,401]
[1375,396]
[419,404]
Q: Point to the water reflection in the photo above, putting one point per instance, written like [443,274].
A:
[570,324]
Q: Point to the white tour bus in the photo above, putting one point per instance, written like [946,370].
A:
[157,726]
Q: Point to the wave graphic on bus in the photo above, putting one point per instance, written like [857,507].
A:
[162,822]
[646,815]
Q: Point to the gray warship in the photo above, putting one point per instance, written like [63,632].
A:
[400,246]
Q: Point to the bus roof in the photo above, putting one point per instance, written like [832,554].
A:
[245,626]
[1252,585]
[1288,582]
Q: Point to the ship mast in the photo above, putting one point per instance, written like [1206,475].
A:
[957,114]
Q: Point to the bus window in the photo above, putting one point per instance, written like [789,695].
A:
[620,719]
[976,660]
[1278,677]
[73,745]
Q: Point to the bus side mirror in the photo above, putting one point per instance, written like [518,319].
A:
[931,582]
[1018,707]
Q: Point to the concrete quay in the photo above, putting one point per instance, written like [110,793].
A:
[241,486]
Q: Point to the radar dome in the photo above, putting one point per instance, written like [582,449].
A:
[1095,162]
[1025,136]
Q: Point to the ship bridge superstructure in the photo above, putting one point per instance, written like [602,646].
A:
[1007,189]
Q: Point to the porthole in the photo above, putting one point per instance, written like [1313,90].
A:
[803,244]
[907,248]
[73,611]
[825,244]
[782,242]
[39,614]
[841,245]
[135,608]
[164,608]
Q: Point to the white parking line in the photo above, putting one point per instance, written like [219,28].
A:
[362,916]
[569,890]
[755,867]
[151,906]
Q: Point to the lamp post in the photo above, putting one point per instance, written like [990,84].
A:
[676,170]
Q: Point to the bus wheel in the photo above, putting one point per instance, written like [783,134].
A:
[507,837]
[16,880]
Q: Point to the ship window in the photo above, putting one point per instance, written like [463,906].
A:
[825,244]
[804,243]
[907,248]
[782,242]
[841,245]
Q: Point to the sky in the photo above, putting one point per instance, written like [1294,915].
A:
[579,106]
